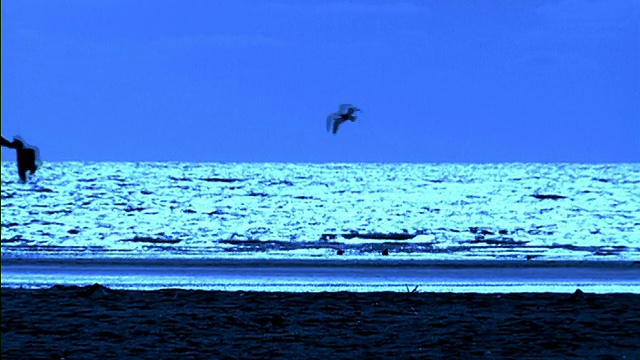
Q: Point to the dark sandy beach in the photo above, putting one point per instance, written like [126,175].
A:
[96,322]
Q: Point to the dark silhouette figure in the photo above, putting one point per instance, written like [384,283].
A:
[27,157]
[6,143]
[346,113]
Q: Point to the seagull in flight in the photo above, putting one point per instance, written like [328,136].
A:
[345,113]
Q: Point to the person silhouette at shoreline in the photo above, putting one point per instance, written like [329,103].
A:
[344,114]
[27,157]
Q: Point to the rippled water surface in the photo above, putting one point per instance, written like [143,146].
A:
[271,210]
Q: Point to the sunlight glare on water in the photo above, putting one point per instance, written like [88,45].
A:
[279,210]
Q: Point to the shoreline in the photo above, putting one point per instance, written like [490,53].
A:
[313,262]
[326,276]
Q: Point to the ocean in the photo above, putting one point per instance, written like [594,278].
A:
[167,211]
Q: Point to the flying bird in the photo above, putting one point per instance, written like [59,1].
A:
[345,113]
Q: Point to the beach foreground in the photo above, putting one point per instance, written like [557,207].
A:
[96,322]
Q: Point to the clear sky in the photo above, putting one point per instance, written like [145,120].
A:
[438,80]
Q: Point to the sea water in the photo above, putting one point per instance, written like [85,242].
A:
[171,210]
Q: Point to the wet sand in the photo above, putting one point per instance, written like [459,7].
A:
[96,322]
[325,275]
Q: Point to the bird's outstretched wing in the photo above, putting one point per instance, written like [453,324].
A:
[344,107]
[330,120]
[337,123]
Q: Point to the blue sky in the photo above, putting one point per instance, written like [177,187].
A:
[438,81]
